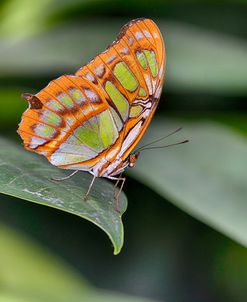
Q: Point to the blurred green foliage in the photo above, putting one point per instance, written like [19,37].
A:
[206,178]
[168,255]
[32,274]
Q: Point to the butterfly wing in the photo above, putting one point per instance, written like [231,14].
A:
[101,112]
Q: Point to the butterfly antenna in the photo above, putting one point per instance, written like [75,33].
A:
[165,146]
[158,140]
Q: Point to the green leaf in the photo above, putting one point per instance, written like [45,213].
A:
[32,274]
[28,176]
[197,60]
[206,177]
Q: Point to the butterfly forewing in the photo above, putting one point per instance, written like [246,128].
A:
[87,120]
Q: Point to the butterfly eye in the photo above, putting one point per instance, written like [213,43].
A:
[133,158]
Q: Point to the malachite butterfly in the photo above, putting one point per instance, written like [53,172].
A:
[93,119]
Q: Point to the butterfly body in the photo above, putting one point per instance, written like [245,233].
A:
[92,120]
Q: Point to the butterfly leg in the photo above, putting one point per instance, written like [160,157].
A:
[117,194]
[116,184]
[66,177]
[89,189]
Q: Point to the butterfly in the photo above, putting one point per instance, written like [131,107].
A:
[93,119]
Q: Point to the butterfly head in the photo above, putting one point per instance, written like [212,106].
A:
[133,158]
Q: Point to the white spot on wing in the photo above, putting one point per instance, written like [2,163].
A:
[125,51]
[149,85]
[161,71]
[91,95]
[153,84]
[146,113]
[36,141]
[158,91]
[147,34]
[131,40]
[90,77]
[139,35]
[100,70]
[111,58]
